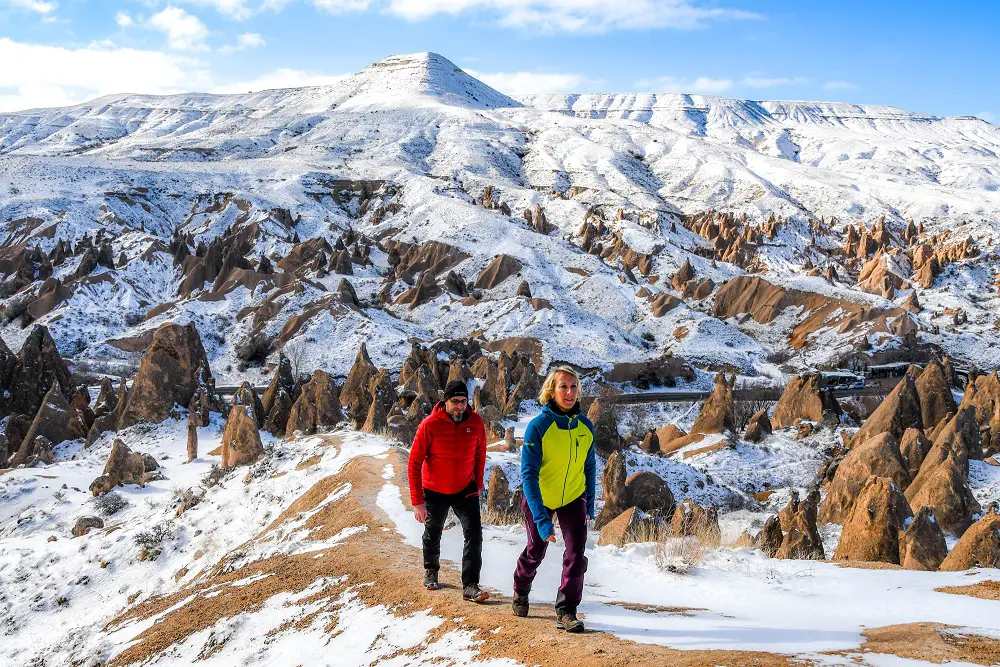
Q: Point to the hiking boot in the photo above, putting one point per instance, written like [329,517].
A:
[473,593]
[520,604]
[431,580]
[569,622]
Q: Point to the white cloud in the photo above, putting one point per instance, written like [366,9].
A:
[123,20]
[529,83]
[31,5]
[556,15]
[839,85]
[55,76]
[673,84]
[281,78]
[234,9]
[248,40]
[185,32]
[758,81]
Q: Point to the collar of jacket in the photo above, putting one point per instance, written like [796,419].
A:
[440,413]
[563,420]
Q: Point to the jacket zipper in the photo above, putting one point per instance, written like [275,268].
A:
[569,460]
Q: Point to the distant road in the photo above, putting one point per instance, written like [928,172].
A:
[688,396]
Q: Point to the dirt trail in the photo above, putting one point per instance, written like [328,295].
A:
[394,571]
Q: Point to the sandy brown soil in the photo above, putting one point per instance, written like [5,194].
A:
[987,590]
[394,571]
[932,642]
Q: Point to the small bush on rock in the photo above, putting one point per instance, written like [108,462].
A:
[110,503]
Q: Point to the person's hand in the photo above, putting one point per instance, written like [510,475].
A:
[420,513]
[590,517]
[551,538]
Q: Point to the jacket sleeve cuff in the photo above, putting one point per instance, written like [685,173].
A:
[546,529]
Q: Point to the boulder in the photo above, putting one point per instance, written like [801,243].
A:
[173,369]
[628,527]
[241,443]
[246,395]
[56,421]
[878,456]
[613,485]
[959,436]
[668,434]
[646,491]
[716,415]
[759,427]
[85,523]
[804,399]
[276,422]
[650,443]
[604,417]
[383,395]
[944,487]
[788,512]
[769,538]
[934,392]
[899,411]
[914,448]
[871,531]
[922,545]
[123,467]
[501,268]
[979,546]
[39,367]
[498,494]
[698,521]
[107,399]
[317,405]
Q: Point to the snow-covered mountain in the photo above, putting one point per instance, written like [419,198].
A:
[410,149]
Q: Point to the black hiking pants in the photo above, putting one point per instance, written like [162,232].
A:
[465,504]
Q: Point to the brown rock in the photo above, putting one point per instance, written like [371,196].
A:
[276,422]
[871,531]
[317,405]
[241,443]
[802,540]
[498,495]
[247,396]
[192,436]
[716,414]
[613,485]
[645,490]
[359,378]
[914,448]
[501,268]
[979,546]
[934,391]
[944,488]
[628,527]
[805,399]
[879,456]
[38,368]
[682,276]
[699,521]
[56,421]
[282,379]
[85,523]
[123,467]
[107,399]
[603,416]
[172,370]
[788,512]
[899,411]
[759,427]
[650,443]
[666,435]
[769,538]
[383,398]
[922,545]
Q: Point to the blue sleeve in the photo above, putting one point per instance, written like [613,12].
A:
[531,463]
[590,472]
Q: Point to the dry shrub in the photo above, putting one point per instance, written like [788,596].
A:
[679,555]
[511,516]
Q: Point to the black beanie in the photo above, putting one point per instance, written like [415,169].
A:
[456,388]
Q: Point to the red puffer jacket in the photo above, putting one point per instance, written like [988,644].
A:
[447,457]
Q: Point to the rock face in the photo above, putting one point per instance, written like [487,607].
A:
[56,421]
[922,545]
[716,414]
[317,405]
[37,368]
[979,546]
[606,438]
[629,526]
[501,268]
[898,412]
[282,379]
[871,531]
[934,391]
[123,467]
[802,540]
[173,369]
[276,422]
[770,537]
[499,498]
[247,396]
[646,491]
[759,427]
[241,443]
[805,399]
[383,395]
[359,378]
[668,434]
[942,482]
[914,448]
[613,486]
[877,456]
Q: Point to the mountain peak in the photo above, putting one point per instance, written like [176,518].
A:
[418,75]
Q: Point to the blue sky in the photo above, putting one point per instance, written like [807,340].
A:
[933,57]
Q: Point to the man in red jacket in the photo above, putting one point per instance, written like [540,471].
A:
[446,468]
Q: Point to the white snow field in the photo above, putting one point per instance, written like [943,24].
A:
[429,139]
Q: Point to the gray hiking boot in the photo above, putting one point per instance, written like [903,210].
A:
[431,580]
[520,604]
[568,621]
[473,593]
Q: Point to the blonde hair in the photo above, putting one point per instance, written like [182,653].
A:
[549,386]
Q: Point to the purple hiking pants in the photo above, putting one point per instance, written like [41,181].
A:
[573,523]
